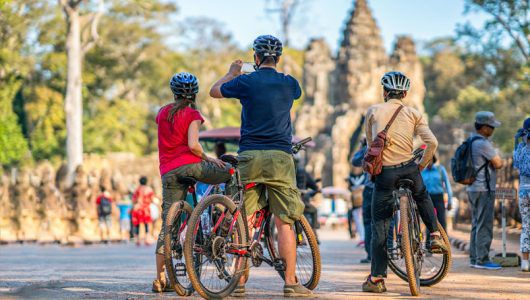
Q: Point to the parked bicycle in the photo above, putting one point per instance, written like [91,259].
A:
[410,256]
[218,247]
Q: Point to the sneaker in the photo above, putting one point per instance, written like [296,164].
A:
[472,264]
[366,260]
[488,266]
[438,245]
[377,286]
[296,290]
[525,265]
[161,287]
[239,291]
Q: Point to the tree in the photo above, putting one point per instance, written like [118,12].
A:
[286,10]
[510,18]
[79,25]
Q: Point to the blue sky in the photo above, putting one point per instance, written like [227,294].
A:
[245,19]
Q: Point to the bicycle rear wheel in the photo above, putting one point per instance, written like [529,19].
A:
[407,224]
[213,263]
[308,261]
[176,225]
[434,268]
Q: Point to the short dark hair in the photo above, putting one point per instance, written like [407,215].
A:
[393,94]
[102,188]
[479,126]
[434,159]
[143,180]
[267,59]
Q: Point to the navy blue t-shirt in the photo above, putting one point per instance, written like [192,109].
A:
[267,98]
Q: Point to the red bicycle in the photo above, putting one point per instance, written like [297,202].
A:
[217,250]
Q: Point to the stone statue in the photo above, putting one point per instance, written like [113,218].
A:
[51,209]
[24,198]
[7,212]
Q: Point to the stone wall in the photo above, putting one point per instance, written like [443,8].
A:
[37,206]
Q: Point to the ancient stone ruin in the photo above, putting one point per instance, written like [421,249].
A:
[339,90]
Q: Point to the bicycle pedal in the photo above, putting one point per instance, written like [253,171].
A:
[180,269]
[279,265]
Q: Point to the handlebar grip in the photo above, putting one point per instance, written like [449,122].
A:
[305,141]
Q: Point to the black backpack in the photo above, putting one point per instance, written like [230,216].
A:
[105,207]
[462,167]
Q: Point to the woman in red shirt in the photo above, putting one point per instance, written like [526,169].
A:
[181,155]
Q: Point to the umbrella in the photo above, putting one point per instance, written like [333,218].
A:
[232,135]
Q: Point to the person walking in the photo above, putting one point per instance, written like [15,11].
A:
[104,208]
[521,161]
[141,214]
[125,207]
[436,180]
[481,193]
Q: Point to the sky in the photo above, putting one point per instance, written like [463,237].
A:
[246,19]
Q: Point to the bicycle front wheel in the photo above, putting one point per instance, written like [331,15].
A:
[308,262]
[176,225]
[213,247]
[407,223]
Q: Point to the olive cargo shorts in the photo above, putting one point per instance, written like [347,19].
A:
[173,191]
[274,171]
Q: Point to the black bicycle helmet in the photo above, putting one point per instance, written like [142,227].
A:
[395,81]
[184,85]
[267,46]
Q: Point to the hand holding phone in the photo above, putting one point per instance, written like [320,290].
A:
[247,67]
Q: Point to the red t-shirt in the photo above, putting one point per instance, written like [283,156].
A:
[98,199]
[173,150]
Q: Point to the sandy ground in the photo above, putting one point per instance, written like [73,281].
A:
[125,272]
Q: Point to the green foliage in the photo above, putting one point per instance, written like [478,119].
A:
[13,146]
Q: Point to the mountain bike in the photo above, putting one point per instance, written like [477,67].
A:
[217,247]
[410,256]
[176,225]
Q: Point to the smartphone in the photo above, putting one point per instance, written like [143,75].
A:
[247,67]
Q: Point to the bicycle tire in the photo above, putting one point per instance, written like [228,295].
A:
[173,216]
[190,240]
[439,276]
[406,245]
[314,279]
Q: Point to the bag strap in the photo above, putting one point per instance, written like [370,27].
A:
[393,118]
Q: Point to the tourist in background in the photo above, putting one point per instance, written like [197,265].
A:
[521,161]
[437,183]
[141,215]
[104,208]
[481,193]
[125,207]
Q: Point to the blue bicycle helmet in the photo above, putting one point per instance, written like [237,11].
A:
[267,46]
[184,85]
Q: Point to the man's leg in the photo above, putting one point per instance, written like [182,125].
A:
[439,204]
[382,209]
[484,235]
[472,197]
[287,248]
[421,196]
[350,222]
[367,219]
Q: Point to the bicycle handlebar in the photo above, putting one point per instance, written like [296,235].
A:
[298,146]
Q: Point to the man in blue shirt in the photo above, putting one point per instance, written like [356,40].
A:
[265,157]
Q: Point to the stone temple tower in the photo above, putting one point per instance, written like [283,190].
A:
[339,91]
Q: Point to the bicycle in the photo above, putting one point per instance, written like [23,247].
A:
[219,248]
[408,248]
[176,225]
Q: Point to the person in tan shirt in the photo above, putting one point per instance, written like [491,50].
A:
[398,164]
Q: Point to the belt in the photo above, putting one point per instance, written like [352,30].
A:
[403,164]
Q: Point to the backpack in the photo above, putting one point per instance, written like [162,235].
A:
[105,207]
[373,159]
[462,168]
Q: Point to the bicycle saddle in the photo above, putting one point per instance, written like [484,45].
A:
[405,183]
[187,180]
[230,159]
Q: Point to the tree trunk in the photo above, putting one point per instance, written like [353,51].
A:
[73,103]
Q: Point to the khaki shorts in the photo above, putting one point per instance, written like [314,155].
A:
[274,171]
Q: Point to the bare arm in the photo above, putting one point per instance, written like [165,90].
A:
[196,147]
[368,128]
[233,72]
[426,135]
[497,162]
